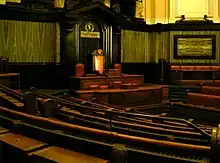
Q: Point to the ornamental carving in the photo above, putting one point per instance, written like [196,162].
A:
[37,7]
[59,3]
[139,9]
[70,4]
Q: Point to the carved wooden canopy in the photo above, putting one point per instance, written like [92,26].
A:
[97,9]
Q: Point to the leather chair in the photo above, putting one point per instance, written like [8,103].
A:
[117,67]
[80,70]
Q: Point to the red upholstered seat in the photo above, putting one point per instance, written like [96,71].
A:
[94,87]
[175,68]
[103,86]
[117,67]
[129,86]
[116,84]
[80,70]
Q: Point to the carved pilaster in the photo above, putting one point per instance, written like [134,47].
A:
[69,25]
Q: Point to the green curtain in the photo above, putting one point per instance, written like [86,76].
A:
[135,46]
[150,47]
[29,42]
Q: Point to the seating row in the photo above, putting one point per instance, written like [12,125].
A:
[203,100]
[195,68]
[215,83]
[210,90]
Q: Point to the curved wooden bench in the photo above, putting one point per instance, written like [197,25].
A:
[210,90]
[195,68]
[203,99]
[98,132]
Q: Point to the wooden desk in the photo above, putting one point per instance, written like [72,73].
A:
[11,80]
[61,155]
[15,147]
[124,97]
[85,82]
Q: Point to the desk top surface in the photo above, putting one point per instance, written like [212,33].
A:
[9,74]
[62,155]
[109,77]
[3,130]
[20,141]
[143,88]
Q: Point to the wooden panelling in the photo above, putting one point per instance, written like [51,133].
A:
[139,47]
[145,47]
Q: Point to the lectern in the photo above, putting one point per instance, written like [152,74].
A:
[98,61]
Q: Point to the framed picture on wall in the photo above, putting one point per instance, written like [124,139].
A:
[194,46]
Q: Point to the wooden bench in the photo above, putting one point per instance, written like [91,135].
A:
[15,147]
[11,100]
[195,75]
[194,68]
[203,99]
[3,130]
[60,155]
[207,114]
[210,90]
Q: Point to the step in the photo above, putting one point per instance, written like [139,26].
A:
[177,93]
[177,99]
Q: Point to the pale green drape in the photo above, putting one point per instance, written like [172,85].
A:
[29,42]
[150,47]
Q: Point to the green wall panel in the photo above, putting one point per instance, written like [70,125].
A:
[150,47]
[29,42]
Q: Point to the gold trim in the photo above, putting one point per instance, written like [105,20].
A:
[85,34]
[14,1]
[57,43]
[59,3]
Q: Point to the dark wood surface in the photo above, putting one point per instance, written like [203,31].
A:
[9,75]
[125,97]
[11,80]
[3,130]
[61,155]
[20,142]
[85,82]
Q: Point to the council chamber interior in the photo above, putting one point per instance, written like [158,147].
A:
[109,81]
